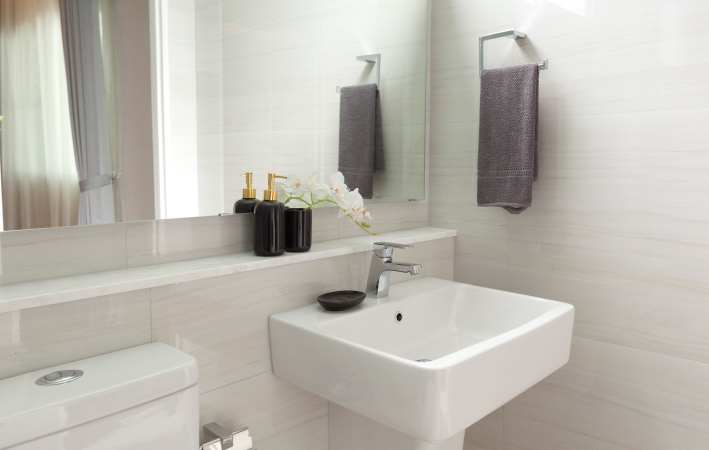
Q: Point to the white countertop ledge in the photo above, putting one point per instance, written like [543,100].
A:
[32,294]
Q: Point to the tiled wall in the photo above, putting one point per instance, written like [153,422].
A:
[36,338]
[618,225]
[223,322]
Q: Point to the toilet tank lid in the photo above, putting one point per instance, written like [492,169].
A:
[111,383]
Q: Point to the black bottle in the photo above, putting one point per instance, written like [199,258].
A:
[249,201]
[269,227]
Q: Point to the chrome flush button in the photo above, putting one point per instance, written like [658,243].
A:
[54,376]
[59,377]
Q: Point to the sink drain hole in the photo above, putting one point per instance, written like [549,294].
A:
[399,317]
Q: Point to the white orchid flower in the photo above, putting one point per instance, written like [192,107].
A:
[312,192]
[291,185]
[316,187]
[351,204]
[338,185]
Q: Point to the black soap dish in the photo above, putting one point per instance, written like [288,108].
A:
[341,300]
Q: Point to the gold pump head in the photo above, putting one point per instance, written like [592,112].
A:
[270,194]
[249,192]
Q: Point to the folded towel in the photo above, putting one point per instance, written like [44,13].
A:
[507,151]
[361,137]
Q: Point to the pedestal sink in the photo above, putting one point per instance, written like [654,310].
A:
[412,371]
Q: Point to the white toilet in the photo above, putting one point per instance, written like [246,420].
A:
[144,397]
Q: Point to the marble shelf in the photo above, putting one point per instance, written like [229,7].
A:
[32,294]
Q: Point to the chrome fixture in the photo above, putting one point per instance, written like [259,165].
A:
[375,58]
[238,440]
[215,430]
[383,265]
[512,34]
[59,377]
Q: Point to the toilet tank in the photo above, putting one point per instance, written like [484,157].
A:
[143,397]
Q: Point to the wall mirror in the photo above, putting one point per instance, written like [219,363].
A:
[125,110]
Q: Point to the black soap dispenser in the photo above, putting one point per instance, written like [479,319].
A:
[269,229]
[249,201]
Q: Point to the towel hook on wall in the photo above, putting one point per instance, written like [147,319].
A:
[512,34]
[375,58]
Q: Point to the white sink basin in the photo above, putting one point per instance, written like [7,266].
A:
[485,347]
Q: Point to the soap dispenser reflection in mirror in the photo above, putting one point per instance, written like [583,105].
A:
[248,202]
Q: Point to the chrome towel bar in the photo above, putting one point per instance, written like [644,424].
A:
[512,34]
[375,58]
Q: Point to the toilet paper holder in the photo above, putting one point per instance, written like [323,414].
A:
[225,440]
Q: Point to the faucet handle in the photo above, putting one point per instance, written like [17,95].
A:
[386,249]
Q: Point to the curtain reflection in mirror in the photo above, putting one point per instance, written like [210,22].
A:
[39,179]
[108,39]
[81,30]
[59,93]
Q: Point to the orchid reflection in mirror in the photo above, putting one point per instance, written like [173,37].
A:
[314,191]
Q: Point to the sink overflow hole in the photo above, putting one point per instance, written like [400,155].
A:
[399,317]
[423,360]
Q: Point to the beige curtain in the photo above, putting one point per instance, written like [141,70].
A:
[40,185]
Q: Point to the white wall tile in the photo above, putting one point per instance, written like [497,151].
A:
[613,397]
[246,152]
[182,69]
[56,252]
[457,25]
[296,66]
[36,338]
[389,217]
[155,242]
[247,46]
[434,256]
[210,175]
[613,56]
[223,322]
[279,415]
[481,245]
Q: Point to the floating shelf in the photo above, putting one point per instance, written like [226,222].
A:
[32,294]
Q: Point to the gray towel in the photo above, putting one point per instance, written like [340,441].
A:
[507,151]
[361,137]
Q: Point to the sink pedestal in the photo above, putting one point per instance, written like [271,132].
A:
[351,431]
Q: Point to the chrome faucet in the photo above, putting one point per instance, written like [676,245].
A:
[383,265]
